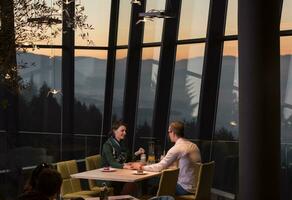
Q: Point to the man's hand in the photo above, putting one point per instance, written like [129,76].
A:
[140,151]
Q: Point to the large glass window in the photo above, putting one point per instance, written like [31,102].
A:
[227,109]
[225,146]
[124,22]
[153,29]
[286,18]
[90,73]
[98,15]
[231,18]
[193,19]
[119,85]
[39,107]
[187,85]
[149,68]
[286,114]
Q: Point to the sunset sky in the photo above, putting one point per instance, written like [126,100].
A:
[193,24]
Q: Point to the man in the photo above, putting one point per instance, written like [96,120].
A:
[185,152]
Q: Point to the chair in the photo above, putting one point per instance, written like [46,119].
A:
[167,183]
[71,187]
[203,181]
[91,163]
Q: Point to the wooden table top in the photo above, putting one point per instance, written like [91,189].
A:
[120,175]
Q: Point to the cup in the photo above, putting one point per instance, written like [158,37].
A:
[151,159]
[140,171]
[143,158]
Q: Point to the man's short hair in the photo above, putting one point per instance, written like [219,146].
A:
[49,182]
[178,128]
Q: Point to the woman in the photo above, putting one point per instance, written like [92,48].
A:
[47,186]
[32,181]
[115,152]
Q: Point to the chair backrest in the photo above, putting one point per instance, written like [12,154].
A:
[69,185]
[168,181]
[204,180]
[92,162]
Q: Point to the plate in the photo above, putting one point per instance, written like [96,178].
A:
[136,173]
[108,170]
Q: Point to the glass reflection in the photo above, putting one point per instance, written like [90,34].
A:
[227,109]
[124,22]
[193,19]
[153,29]
[38,109]
[119,84]
[98,15]
[286,88]
[186,86]
[286,18]
[231,18]
[90,73]
[148,80]
[286,115]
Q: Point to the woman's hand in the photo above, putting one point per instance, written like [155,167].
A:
[140,151]
[127,166]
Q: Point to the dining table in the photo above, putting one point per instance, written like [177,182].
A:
[114,174]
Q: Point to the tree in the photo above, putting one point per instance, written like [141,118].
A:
[24,23]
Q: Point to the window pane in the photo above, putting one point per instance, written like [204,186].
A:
[225,146]
[187,85]
[119,86]
[286,19]
[153,29]
[148,80]
[124,22]
[227,109]
[98,15]
[90,73]
[35,31]
[286,114]
[39,108]
[231,19]
[194,19]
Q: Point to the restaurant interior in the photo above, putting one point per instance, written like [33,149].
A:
[70,68]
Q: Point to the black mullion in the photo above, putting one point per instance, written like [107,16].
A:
[166,71]
[211,69]
[131,92]
[68,54]
[110,71]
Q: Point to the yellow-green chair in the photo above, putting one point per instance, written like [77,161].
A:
[91,163]
[71,187]
[203,180]
[167,184]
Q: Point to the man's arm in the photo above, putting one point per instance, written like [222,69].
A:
[168,160]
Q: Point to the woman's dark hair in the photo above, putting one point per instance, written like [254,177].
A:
[116,125]
[49,182]
[32,181]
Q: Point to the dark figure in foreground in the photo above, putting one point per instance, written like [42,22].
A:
[47,186]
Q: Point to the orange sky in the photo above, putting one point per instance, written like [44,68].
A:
[193,24]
